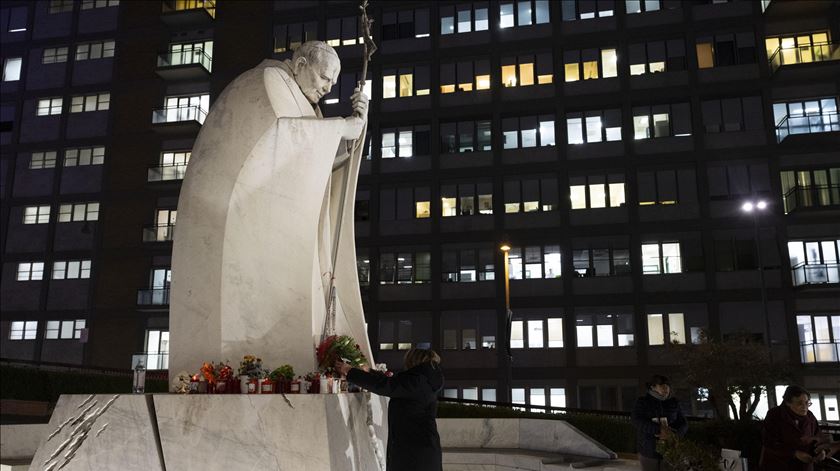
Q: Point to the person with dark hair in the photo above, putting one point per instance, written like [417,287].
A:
[789,434]
[413,440]
[656,416]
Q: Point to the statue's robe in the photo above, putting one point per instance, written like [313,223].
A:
[257,213]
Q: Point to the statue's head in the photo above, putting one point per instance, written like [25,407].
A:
[316,67]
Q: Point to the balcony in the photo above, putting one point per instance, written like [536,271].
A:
[786,56]
[152,361]
[159,233]
[185,13]
[168,172]
[828,121]
[178,119]
[184,65]
[816,274]
[153,297]
[814,196]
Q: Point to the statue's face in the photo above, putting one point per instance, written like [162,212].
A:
[316,79]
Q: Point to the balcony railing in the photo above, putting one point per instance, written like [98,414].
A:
[809,124]
[819,351]
[153,297]
[803,55]
[159,233]
[811,197]
[174,114]
[181,58]
[816,273]
[170,6]
[153,361]
[167,172]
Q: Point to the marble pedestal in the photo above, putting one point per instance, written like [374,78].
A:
[297,432]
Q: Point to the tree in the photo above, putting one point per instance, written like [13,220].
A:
[737,367]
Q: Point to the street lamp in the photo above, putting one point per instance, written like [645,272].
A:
[756,208]
[505,248]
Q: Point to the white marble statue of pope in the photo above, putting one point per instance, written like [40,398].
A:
[251,262]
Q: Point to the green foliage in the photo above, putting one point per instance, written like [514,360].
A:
[285,371]
[686,455]
[744,435]
[734,366]
[29,384]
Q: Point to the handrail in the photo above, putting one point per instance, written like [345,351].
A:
[153,297]
[164,172]
[819,52]
[159,232]
[179,114]
[187,57]
[814,196]
[807,124]
[170,6]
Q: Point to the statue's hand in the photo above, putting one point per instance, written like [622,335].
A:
[353,126]
[360,103]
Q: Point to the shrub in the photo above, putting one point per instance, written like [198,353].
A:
[30,384]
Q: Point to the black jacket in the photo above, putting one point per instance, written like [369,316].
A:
[647,408]
[413,440]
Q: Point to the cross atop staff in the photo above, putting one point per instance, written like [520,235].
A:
[369,45]
[356,153]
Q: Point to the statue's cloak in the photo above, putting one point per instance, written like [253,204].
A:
[257,214]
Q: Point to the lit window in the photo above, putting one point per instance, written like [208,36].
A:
[90,4]
[555,332]
[36,214]
[49,106]
[659,333]
[94,102]
[597,191]
[604,330]
[658,258]
[60,6]
[11,69]
[40,160]
[517,337]
[819,337]
[84,156]
[30,271]
[97,50]
[71,269]
[54,55]
[389,86]
[78,212]
[23,330]
[64,329]
[609,60]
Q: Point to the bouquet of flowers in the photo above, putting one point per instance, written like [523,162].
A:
[285,371]
[224,372]
[250,366]
[209,372]
[339,347]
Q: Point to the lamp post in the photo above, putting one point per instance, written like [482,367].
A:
[505,248]
[755,208]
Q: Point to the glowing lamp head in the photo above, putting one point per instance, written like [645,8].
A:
[748,207]
[761,205]
[505,247]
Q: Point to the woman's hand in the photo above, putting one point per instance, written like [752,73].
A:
[803,457]
[342,368]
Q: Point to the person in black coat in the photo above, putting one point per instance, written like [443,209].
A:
[656,416]
[413,440]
